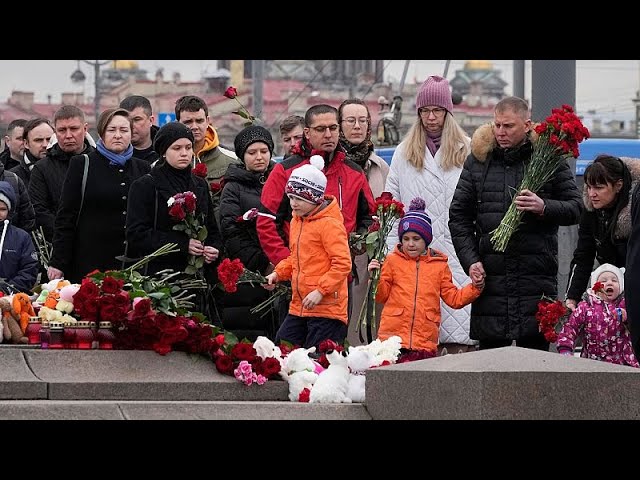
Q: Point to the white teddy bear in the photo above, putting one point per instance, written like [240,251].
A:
[299,370]
[358,361]
[332,384]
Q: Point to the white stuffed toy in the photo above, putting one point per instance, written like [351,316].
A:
[358,361]
[299,371]
[332,384]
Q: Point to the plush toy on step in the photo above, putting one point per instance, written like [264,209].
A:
[332,384]
[358,361]
[11,331]
[23,309]
[299,371]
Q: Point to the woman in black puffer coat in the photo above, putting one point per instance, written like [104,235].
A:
[241,193]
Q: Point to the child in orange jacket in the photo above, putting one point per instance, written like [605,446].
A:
[319,262]
[412,281]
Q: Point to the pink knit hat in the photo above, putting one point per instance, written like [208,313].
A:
[435,91]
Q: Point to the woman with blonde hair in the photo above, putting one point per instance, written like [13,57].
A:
[427,164]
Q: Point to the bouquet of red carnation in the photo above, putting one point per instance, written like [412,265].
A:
[182,209]
[240,359]
[551,315]
[232,273]
[558,140]
[388,211]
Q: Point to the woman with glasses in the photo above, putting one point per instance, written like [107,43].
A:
[355,138]
[427,164]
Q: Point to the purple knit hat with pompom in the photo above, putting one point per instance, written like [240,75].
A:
[416,220]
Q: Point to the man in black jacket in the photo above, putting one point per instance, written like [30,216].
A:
[517,278]
[144,130]
[47,177]
[14,144]
[36,135]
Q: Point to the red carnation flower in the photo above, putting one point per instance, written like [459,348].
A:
[200,170]
[231,92]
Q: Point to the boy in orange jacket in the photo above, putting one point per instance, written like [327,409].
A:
[412,281]
[319,262]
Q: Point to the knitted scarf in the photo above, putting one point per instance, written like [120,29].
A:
[433,142]
[115,158]
[359,153]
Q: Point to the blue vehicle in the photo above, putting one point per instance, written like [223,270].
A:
[589,149]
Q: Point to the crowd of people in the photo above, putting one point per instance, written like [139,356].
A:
[443,286]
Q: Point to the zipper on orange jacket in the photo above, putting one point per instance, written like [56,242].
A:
[415,302]
[298,259]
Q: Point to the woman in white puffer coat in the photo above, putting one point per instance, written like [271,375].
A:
[427,164]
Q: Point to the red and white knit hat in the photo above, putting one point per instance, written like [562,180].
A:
[308,182]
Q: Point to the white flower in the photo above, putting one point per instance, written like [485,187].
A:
[171,201]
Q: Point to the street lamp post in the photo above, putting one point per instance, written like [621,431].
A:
[78,77]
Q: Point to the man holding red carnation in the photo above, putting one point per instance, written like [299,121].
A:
[527,269]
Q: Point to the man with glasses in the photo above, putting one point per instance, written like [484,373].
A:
[345,180]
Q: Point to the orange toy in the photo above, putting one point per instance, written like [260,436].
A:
[22,308]
[52,299]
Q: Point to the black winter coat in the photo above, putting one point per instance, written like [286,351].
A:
[23,170]
[517,278]
[93,237]
[632,272]
[22,214]
[45,187]
[241,193]
[6,160]
[146,208]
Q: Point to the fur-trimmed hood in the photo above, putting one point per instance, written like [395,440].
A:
[483,140]
[623,225]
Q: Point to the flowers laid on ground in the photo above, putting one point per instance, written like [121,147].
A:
[146,311]
[551,315]
[248,362]
[387,212]
[182,209]
[232,273]
[232,93]
[559,136]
